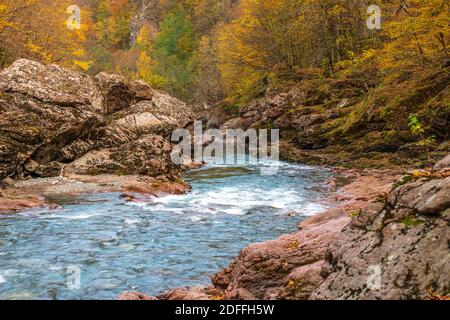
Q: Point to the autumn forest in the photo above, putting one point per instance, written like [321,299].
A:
[213,50]
[347,102]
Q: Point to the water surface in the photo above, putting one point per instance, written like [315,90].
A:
[150,247]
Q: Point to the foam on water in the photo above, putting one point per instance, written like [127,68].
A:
[238,194]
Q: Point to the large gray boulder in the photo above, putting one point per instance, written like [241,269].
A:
[149,156]
[42,109]
[51,117]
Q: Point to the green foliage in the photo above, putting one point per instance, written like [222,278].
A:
[103,59]
[415,125]
[173,49]
[412,221]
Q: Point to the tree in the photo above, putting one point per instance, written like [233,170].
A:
[173,50]
[273,38]
[418,34]
[208,85]
[145,64]
[37,29]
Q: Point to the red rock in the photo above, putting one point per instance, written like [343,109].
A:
[188,293]
[8,205]
[135,296]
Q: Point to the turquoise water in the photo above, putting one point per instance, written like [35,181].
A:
[172,241]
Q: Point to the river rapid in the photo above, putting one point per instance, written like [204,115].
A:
[97,246]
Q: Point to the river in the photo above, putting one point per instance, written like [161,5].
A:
[97,246]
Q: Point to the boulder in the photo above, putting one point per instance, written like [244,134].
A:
[160,116]
[137,120]
[51,117]
[42,109]
[149,156]
[425,196]
[52,84]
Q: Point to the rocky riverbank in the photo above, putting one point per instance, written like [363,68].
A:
[63,132]
[386,238]
[326,121]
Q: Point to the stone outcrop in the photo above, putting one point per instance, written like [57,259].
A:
[57,122]
[443,164]
[286,268]
[43,109]
[398,252]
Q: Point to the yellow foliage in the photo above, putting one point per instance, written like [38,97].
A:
[84,65]
[145,72]
[420,174]
[37,29]
[414,36]
[418,34]
[273,38]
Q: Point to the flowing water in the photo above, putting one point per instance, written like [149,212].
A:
[98,246]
